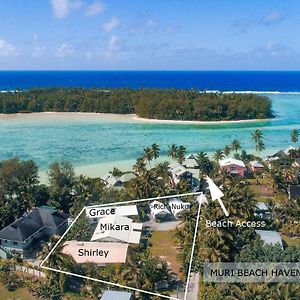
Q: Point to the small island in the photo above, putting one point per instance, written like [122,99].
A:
[161,104]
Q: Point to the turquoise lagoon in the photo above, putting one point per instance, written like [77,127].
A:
[94,144]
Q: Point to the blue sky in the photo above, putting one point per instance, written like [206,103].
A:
[149,35]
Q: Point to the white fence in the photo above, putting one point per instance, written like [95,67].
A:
[27,270]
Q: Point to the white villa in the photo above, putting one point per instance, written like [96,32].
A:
[190,162]
[177,206]
[117,182]
[159,211]
[270,237]
[117,228]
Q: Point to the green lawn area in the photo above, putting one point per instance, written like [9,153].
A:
[18,294]
[291,241]
[163,246]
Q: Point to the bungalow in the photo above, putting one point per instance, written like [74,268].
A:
[179,173]
[294,192]
[117,182]
[94,213]
[257,167]
[190,162]
[262,210]
[117,228]
[114,295]
[233,166]
[159,211]
[23,235]
[177,206]
[96,252]
[270,237]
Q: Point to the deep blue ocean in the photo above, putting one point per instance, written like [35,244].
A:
[203,80]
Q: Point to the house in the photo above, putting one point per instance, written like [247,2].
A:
[117,228]
[159,211]
[257,167]
[114,295]
[233,166]
[179,173]
[262,210]
[294,192]
[117,182]
[23,235]
[94,213]
[190,162]
[270,237]
[96,252]
[177,206]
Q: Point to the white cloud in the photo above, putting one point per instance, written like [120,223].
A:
[112,48]
[95,8]
[38,51]
[64,50]
[7,49]
[273,17]
[151,23]
[111,25]
[88,55]
[61,8]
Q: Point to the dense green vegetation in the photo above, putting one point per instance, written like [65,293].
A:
[169,104]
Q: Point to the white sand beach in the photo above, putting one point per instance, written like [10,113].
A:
[109,117]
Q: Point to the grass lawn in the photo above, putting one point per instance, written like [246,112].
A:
[164,248]
[291,241]
[18,294]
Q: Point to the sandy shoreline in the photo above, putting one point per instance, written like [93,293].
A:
[110,117]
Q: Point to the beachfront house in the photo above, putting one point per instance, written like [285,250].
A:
[117,228]
[190,162]
[116,295]
[112,181]
[179,172]
[233,166]
[257,167]
[159,211]
[177,206]
[23,236]
[294,192]
[270,237]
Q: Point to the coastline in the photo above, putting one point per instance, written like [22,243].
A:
[127,118]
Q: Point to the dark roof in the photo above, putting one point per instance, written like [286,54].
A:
[294,191]
[26,226]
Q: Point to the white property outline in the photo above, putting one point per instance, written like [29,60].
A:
[116,284]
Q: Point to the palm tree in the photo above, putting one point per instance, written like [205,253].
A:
[205,165]
[219,155]
[257,136]
[155,150]
[181,154]
[148,154]
[140,167]
[172,151]
[227,150]
[294,135]
[235,145]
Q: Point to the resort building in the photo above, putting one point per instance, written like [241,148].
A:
[257,167]
[114,295]
[159,211]
[294,192]
[233,166]
[96,252]
[177,206]
[190,162]
[117,182]
[23,236]
[95,213]
[270,237]
[179,173]
[117,229]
